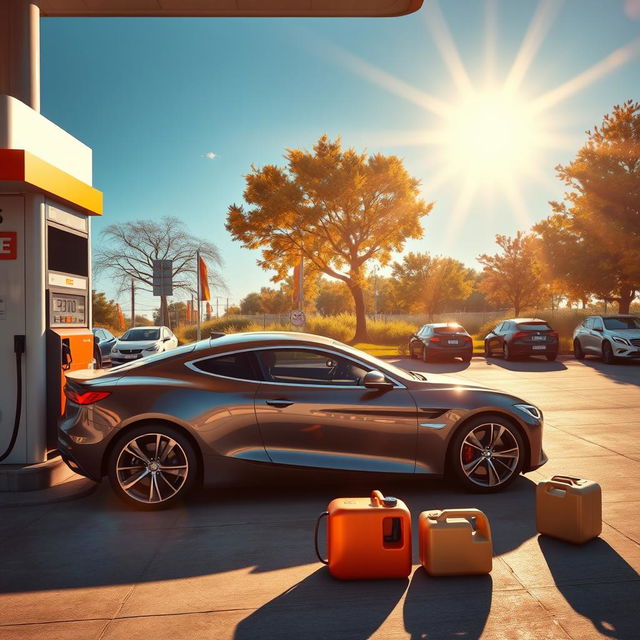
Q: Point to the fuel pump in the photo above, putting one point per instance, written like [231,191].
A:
[69,339]
[46,205]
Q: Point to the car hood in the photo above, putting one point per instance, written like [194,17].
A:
[625,333]
[135,344]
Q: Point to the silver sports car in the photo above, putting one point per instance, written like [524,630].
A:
[160,425]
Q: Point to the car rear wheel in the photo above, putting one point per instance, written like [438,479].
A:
[506,352]
[487,454]
[577,350]
[412,353]
[487,350]
[551,356]
[607,353]
[153,466]
[425,354]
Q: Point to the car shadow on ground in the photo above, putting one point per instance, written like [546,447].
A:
[100,541]
[579,572]
[530,365]
[622,371]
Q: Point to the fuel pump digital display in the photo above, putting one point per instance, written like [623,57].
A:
[67,310]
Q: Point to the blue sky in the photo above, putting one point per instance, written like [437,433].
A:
[153,97]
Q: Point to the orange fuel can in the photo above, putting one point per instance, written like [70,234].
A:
[455,542]
[367,538]
[569,508]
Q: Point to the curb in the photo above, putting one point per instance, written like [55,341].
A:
[71,489]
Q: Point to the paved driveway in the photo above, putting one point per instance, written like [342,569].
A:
[240,564]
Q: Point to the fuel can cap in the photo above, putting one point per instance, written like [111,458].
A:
[390,501]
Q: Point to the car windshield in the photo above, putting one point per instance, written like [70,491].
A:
[622,323]
[141,334]
[452,328]
[534,326]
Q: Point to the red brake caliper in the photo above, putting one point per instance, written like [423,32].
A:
[467,453]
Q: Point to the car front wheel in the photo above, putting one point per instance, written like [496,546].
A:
[578,352]
[607,353]
[486,454]
[153,466]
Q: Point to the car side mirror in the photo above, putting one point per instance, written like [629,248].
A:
[376,380]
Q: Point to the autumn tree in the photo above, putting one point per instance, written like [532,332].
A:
[430,283]
[129,248]
[513,275]
[335,207]
[333,298]
[104,311]
[593,236]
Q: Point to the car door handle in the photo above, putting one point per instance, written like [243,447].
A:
[279,404]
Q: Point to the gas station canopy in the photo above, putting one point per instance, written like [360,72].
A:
[228,8]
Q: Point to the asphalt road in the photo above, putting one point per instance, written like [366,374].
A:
[240,564]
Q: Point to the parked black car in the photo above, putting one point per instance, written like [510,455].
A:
[522,337]
[441,340]
[104,341]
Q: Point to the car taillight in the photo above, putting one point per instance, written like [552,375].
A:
[519,334]
[87,397]
[435,339]
[554,334]
[468,338]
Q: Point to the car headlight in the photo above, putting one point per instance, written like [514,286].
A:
[530,410]
[621,340]
[114,350]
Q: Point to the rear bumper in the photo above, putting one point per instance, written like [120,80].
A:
[449,352]
[530,350]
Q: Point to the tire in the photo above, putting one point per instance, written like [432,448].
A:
[154,489]
[506,353]
[487,350]
[425,354]
[467,357]
[97,356]
[493,472]
[551,356]
[412,355]
[607,353]
[577,350]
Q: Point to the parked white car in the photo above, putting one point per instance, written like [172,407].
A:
[138,342]
[608,337]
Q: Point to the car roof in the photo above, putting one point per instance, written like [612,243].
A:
[616,315]
[523,320]
[268,337]
[443,324]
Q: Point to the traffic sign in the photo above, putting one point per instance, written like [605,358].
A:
[163,277]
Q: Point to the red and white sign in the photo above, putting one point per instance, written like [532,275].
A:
[8,245]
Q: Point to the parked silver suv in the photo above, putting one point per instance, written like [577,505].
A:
[609,337]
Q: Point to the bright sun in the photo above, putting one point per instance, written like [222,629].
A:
[491,137]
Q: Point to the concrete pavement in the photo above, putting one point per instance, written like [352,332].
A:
[240,564]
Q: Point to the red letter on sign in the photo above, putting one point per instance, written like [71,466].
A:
[8,245]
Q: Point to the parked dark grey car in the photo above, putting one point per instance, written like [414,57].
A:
[104,341]
[158,426]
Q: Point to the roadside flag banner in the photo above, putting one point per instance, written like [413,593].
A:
[205,294]
[120,318]
[296,284]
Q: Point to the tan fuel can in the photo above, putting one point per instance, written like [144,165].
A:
[569,508]
[455,542]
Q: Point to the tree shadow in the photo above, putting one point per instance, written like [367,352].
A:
[321,607]
[622,371]
[447,608]
[530,365]
[597,583]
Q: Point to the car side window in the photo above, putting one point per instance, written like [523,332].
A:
[107,335]
[588,323]
[306,367]
[240,366]
[597,323]
[498,328]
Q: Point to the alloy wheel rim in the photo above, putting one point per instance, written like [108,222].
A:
[152,468]
[489,455]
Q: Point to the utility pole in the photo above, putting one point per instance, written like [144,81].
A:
[133,304]
[217,307]
[199,292]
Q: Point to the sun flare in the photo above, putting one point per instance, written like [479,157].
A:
[491,137]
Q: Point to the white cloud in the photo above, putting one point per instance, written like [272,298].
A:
[210,155]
